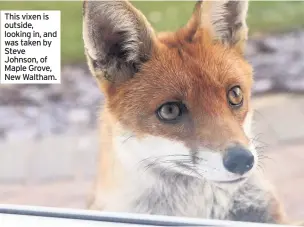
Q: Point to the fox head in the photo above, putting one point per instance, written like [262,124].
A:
[180,100]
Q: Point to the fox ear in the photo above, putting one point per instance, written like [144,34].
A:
[226,20]
[117,39]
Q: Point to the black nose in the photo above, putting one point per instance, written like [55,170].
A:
[238,159]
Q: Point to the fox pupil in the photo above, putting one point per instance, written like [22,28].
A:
[170,111]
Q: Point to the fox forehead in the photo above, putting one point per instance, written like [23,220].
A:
[198,72]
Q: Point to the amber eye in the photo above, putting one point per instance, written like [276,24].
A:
[235,96]
[171,111]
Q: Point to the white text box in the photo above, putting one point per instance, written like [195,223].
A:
[30,47]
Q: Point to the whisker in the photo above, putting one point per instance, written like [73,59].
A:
[262,156]
[129,137]
[159,161]
[261,169]
[166,169]
[261,147]
[160,158]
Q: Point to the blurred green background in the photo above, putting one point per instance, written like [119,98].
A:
[263,17]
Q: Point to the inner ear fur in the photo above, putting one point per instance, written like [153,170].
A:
[223,20]
[117,39]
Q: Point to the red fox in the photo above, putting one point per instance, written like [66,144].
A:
[176,123]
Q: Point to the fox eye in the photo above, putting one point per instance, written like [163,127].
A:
[235,96]
[170,112]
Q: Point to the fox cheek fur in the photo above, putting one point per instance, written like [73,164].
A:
[197,78]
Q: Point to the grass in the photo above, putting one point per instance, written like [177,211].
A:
[266,16]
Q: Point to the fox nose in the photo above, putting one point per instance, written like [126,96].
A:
[238,159]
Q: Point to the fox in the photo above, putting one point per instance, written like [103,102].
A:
[176,132]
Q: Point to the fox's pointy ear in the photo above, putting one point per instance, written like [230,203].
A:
[117,39]
[226,21]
